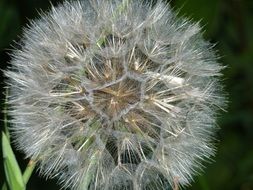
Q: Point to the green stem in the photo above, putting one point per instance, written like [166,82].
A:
[28,171]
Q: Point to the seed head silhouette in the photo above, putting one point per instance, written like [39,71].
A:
[115,95]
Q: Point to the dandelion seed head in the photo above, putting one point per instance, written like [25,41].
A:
[115,95]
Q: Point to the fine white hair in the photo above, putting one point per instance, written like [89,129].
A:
[116,94]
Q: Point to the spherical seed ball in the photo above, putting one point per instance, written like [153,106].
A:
[115,94]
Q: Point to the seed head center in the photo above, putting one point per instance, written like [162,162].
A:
[118,98]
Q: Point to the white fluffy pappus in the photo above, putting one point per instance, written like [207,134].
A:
[115,95]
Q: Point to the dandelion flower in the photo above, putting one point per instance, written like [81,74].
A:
[115,95]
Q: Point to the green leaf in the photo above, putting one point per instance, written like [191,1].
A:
[4,187]
[12,171]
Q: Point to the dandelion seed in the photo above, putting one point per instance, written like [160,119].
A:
[115,95]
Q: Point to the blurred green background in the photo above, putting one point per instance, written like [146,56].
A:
[229,24]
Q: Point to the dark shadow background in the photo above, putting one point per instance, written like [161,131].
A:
[229,24]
